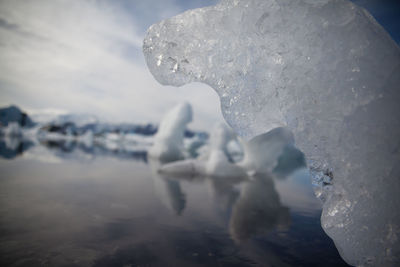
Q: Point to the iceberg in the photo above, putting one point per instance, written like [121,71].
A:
[218,163]
[323,69]
[214,162]
[168,142]
[221,136]
[273,152]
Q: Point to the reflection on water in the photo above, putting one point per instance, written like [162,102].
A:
[14,146]
[63,148]
[258,210]
[253,202]
[167,189]
[11,147]
[113,212]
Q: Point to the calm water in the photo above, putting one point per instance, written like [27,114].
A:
[79,210]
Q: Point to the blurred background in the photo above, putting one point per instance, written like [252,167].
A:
[85,57]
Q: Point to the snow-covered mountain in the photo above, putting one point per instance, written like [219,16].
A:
[13,114]
[78,132]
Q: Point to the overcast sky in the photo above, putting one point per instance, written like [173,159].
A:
[85,57]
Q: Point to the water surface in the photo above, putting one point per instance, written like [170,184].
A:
[107,211]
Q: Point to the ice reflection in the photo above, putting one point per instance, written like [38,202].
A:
[244,191]
[258,210]
[15,146]
[70,149]
[167,189]
[252,203]
[107,213]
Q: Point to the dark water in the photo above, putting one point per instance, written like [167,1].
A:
[106,211]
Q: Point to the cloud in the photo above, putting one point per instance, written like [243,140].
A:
[5,24]
[85,56]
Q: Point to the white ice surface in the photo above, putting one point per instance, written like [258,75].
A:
[168,142]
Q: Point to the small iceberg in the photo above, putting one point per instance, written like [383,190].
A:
[168,142]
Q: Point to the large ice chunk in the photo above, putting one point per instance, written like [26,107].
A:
[326,70]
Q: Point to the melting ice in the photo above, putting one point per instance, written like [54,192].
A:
[327,71]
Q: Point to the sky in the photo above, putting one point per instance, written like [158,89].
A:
[85,56]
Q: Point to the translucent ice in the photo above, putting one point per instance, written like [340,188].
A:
[326,70]
[261,153]
[168,142]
